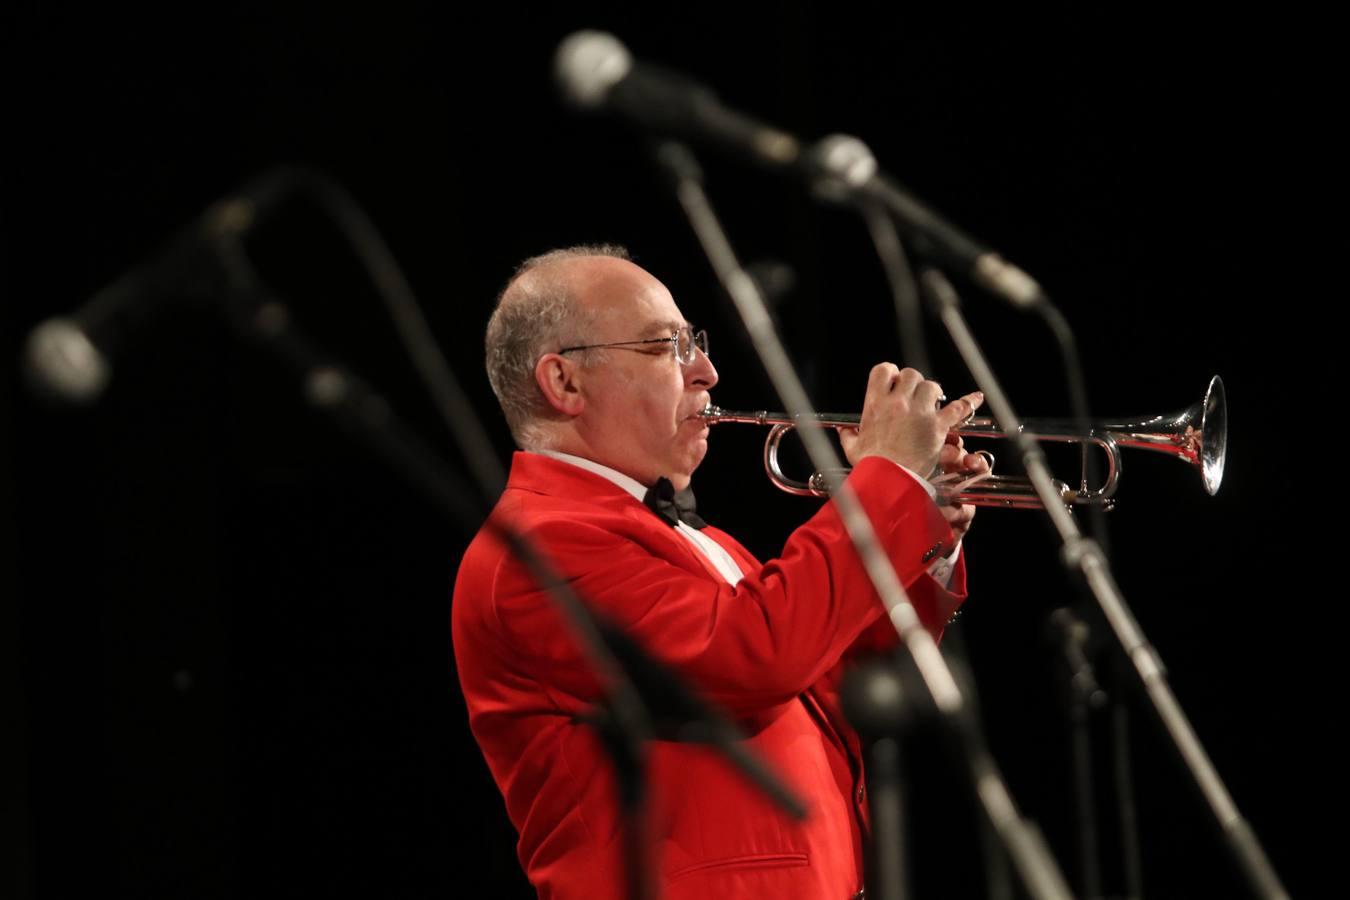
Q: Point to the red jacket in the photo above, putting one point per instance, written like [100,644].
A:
[767,650]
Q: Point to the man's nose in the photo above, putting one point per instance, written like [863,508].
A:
[700,373]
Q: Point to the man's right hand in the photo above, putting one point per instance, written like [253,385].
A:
[901,419]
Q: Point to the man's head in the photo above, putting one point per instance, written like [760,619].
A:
[632,408]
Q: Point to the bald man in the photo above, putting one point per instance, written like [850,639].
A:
[601,379]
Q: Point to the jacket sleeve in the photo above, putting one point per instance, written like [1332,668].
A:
[748,647]
[934,604]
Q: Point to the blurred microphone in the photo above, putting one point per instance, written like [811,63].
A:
[594,70]
[69,358]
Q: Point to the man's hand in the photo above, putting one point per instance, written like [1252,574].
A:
[954,458]
[901,420]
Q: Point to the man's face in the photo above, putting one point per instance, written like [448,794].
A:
[641,405]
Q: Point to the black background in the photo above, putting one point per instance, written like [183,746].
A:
[228,666]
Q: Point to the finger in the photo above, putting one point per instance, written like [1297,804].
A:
[955,459]
[881,377]
[956,412]
[962,514]
[950,458]
[958,517]
[927,394]
[975,463]
[975,399]
[907,381]
[954,439]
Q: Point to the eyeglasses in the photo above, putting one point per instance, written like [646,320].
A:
[682,343]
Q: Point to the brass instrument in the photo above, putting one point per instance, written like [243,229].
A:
[1198,435]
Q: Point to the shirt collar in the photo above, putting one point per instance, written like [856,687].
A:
[631,485]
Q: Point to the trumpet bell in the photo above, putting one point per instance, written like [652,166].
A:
[1214,435]
[1198,435]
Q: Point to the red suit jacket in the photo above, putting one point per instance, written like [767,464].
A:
[768,650]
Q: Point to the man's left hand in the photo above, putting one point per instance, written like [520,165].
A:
[954,458]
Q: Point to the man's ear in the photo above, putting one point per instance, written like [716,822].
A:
[559,378]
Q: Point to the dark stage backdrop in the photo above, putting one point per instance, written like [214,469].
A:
[227,660]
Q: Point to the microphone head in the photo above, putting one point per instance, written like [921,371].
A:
[62,363]
[840,165]
[587,66]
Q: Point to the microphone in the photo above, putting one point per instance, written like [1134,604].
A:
[69,358]
[594,70]
[842,169]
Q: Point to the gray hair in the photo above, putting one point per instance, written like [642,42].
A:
[534,316]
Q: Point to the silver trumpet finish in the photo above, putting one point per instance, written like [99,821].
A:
[1197,435]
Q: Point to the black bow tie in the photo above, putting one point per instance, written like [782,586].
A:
[671,505]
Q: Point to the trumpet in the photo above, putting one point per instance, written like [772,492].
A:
[1198,436]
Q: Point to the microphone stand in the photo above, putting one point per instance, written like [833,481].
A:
[900,277]
[877,703]
[642,695]
[1038,870]
[1087,707]
[843,165]
[643,698]
[1131,859]
[843,170]
[845,153]
[622,718]
[1081,695]
[1082,556]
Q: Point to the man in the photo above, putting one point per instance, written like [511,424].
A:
[601,380]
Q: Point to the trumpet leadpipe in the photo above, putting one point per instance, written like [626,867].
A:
[715,414]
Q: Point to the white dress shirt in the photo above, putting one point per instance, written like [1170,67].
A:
[726,565]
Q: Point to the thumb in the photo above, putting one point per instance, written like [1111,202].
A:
[848,440]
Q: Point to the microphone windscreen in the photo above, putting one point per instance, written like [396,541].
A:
[587,66]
